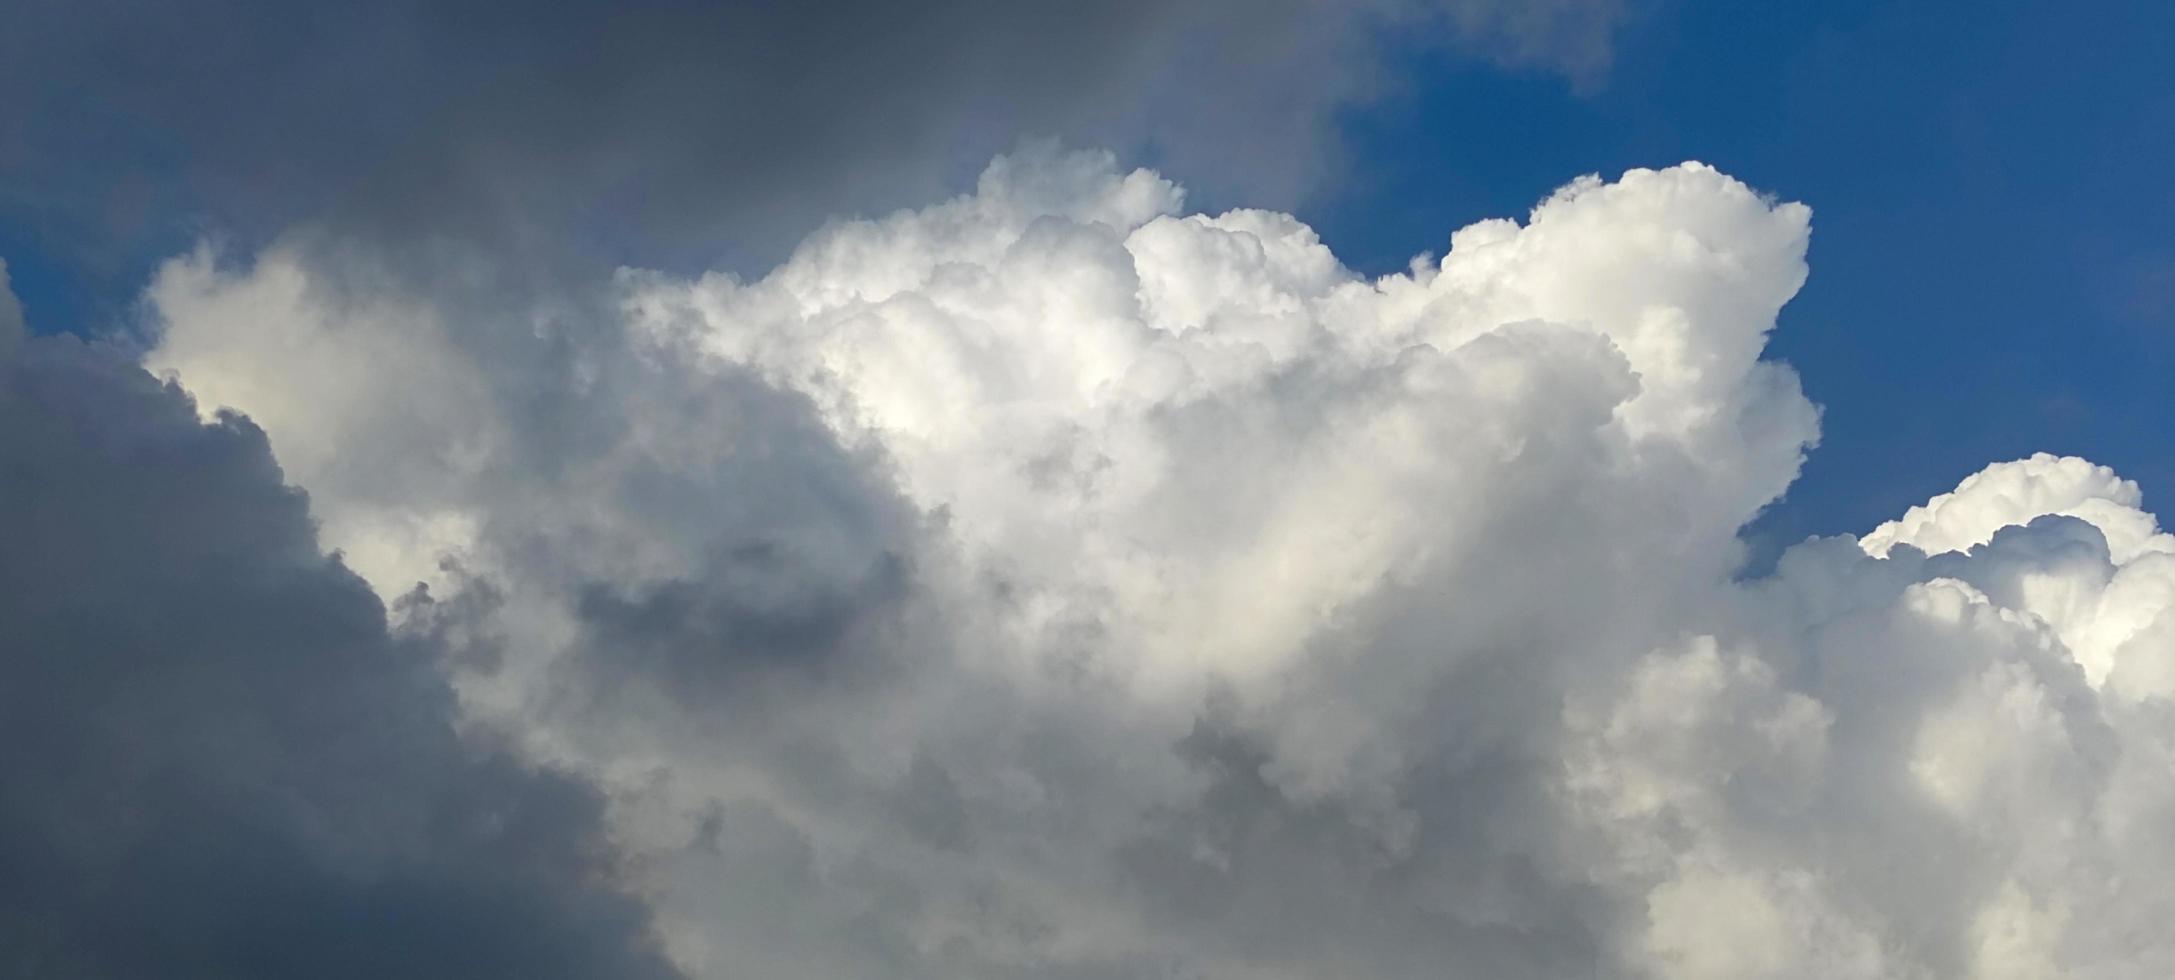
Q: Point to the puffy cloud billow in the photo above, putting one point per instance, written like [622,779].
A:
[1054,582]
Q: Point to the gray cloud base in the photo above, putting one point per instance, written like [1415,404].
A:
[219,761]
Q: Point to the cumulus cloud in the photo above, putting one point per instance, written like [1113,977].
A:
[1053,581]
[2013,493]
[221,762]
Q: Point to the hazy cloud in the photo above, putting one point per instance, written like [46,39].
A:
[667,131]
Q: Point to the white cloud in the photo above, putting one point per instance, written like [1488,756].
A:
[2006,494]
[1053,582]
[11,315]
[383,459]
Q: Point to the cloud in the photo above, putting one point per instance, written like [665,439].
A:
[2008,494]
[12,329]
[1052,581]
[221,762]
[668,131]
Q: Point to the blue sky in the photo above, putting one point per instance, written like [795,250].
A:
[1993,267]
[1993,260]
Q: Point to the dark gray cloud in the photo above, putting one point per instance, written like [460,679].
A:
[665,131]
[220,762]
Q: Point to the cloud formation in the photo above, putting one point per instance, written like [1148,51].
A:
[1054,582]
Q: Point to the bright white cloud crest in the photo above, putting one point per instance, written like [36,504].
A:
[1051,582]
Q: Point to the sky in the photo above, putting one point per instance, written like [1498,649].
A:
[1990,172]
[1272,490]
[1984,174]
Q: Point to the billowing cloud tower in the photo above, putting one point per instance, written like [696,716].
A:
[1052,582]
